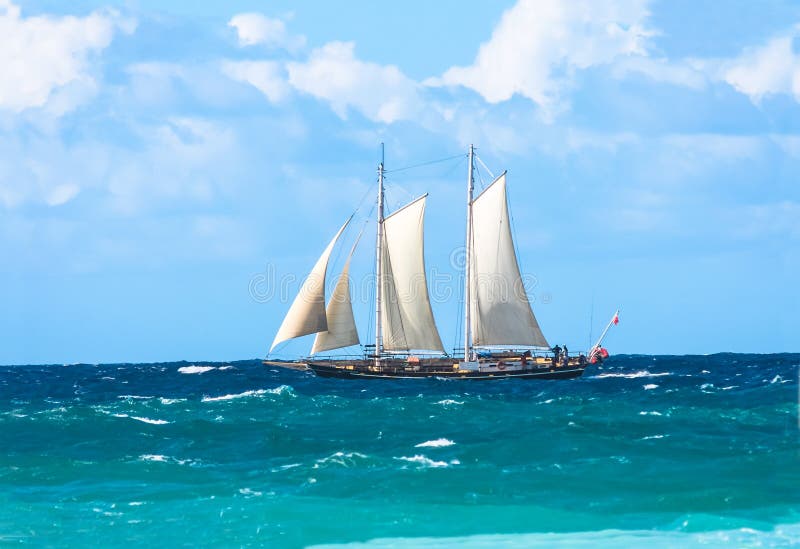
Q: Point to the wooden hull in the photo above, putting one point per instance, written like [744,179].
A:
[492,367]
[562,372]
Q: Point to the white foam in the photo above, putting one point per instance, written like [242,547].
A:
[237,395]
[168,401]
[195,369]
[247,492]
[150,421]
[782,535]
[345,459]
[438,443]
[449,402]
[280,390]
[424,461]
[650,414]
[651,437]
[650,386]
[633,375]
[153,457]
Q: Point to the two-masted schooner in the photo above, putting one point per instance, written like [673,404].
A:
[502,338]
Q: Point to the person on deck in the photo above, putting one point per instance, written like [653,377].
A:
[556,354]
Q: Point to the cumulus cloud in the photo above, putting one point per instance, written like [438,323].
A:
[257,29]
[382,93]
[538,44]
[773,68]
[266,76]
[43,55]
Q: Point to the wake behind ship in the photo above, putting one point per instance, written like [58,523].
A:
[502,338]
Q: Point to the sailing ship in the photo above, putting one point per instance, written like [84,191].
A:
[502,338]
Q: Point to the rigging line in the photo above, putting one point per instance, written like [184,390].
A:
[424,164]
[480,177]
[485,167]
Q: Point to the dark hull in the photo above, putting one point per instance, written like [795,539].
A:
[329,370]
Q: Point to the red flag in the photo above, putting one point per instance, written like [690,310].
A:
[616,319]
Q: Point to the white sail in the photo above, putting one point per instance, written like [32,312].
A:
[500,311]
[341,330]
[406,309]
[307,313]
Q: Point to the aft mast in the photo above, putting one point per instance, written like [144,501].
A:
[378,264]
[468,254]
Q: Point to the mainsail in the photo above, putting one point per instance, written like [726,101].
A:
[307,313]
[341,330]
[406,312]
[500,311]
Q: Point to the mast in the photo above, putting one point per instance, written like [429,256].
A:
[378,264]
[468,253]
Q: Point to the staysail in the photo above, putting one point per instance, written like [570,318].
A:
[406,309]
[307,313]
[341,330]
[500,311]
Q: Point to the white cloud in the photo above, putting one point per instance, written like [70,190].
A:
[538,44]
[266,76]
[382,93]
[773,68]
[254,29]
[42,55]
[62,194]
[690,73]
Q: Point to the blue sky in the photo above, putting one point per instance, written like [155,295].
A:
[159,159]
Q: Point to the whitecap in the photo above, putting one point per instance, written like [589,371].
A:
[650,386]
[424,461]
[633,375]
[652,437]
[227,367]
[650,413]
[195,369]
[168,401]
[449,402]
[247,492]
[245,394]
[151,421]
[280,390]
[345,459]
[438,443]
[153,457]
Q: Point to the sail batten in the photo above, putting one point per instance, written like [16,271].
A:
[341,331]
[500,311]
[407,317]
[307,313]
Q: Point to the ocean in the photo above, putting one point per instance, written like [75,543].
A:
[663,451]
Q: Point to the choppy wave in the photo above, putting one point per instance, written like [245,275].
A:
[196,369]
[666,452]
[424,461]
[436,443]
[632,375]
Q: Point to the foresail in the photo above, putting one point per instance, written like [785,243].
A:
[341,330]
[307,313]
[406,309]
[500,311]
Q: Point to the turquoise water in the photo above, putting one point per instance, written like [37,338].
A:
[663,451]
